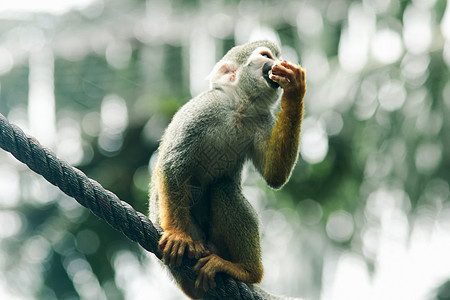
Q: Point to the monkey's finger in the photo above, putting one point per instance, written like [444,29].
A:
[296,69]
[163,242]
[199,280]
[166,252]
[180,253]
[205,279]
[281,80]
[191,250]
[166,245]
[302,82]
[198,250]
[212,283]
[201,262]
[205,284]
[303,74]
[173,254]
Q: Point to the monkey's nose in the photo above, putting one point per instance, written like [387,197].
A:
[266,69]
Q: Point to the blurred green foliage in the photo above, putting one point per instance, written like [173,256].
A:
[372,175]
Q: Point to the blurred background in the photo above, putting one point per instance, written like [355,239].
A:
[366,214]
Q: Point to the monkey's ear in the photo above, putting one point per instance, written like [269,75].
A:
[227,70]
[223,73]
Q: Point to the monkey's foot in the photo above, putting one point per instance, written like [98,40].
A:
[206,269]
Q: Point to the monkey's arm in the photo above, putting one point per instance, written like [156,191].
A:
[281,149]
[174,219]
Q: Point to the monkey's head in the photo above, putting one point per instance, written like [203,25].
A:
[245,69]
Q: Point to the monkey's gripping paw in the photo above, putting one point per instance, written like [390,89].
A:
[290,77]
[206,269]
[174,244]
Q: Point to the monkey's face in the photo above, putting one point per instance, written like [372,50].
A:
[246,69]
[254,74]
[260,62]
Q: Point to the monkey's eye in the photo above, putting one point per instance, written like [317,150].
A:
[265,54]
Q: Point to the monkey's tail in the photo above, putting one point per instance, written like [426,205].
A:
[269,296]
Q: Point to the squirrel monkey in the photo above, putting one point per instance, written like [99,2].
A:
[195,193]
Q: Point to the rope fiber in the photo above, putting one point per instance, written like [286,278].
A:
[106,205]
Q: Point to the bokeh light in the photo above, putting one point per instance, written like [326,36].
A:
[366,212]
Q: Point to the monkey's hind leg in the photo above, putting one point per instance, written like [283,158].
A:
[234,232]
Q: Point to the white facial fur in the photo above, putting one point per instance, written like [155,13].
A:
[226,74]
[258,59]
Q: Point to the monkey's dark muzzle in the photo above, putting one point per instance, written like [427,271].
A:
[266,68]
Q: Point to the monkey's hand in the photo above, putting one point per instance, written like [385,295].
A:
[291,78]
[174,244]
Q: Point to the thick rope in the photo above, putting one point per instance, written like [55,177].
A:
[106,205]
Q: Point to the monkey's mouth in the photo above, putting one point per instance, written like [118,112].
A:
[266,69]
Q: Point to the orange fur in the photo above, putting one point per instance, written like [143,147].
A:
[284,141]
[173,217]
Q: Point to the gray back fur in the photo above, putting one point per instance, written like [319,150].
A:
[214,133]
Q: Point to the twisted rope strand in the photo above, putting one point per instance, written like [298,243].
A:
[105,204]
